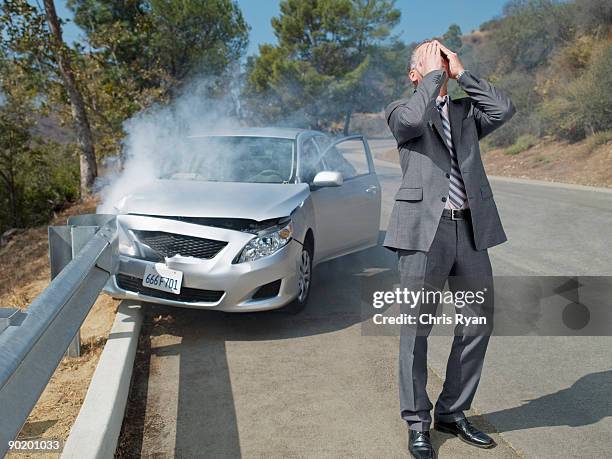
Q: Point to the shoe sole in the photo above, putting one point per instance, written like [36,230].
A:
[435,455]
[448,431]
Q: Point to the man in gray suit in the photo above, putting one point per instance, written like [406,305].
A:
[443,220]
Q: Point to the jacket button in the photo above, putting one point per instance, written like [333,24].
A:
[447,175]
[443,199]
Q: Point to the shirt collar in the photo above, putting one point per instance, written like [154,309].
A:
[441,100]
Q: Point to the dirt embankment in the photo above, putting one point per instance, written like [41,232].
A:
[24,273]
[582,163]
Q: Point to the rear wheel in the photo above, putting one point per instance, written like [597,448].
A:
[304,280]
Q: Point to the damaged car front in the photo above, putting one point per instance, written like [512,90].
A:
[224,226]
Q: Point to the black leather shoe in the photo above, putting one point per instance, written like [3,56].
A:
[419,445]
[466,432]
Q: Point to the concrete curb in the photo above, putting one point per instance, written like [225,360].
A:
[96,430]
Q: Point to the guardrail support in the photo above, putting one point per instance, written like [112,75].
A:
[65,242]
[34,340]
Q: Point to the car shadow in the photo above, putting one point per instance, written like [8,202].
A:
[206,413]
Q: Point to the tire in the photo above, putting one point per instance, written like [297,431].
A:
[304,281]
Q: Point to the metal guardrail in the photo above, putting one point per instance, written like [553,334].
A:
[83,255]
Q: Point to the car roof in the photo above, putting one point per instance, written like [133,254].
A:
[277,132]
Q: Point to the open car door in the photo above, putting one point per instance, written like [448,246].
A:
[352,210]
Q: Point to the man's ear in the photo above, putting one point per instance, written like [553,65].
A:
[413,76]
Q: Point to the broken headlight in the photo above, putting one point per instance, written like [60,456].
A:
[267,242]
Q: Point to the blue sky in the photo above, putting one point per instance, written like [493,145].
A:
[420,20]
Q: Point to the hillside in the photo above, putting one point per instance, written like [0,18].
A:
[582,163]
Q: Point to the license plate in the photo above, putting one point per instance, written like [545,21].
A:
[160,277]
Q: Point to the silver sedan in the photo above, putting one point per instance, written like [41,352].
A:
[237,220]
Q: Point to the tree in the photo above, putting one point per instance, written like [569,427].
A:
[161,43]
[143,52]
[321,70]
[452,38]
[89,168]
[593,16]
[32,40]
[35,177]
[14,148]
[530,32]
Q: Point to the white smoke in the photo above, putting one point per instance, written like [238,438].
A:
[158,138]
[159,134]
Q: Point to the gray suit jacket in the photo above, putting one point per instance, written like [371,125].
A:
[425,160]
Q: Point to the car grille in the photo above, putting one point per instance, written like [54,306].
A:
[170,244]
[187,295]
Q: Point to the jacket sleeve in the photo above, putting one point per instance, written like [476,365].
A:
[406,117]
[491,107]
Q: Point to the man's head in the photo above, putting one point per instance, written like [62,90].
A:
[414,73]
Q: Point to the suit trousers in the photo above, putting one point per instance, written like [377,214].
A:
[452,257]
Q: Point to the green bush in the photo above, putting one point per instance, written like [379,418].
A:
[524,142]
[47,177]
[50,183]
[582,107]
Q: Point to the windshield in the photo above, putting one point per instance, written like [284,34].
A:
[232,159]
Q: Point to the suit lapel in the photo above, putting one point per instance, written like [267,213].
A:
[436,121]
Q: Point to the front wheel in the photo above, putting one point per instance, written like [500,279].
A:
[304,280]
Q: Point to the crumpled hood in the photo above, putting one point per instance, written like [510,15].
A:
[255,201]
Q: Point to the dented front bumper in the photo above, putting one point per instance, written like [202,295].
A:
[234,287]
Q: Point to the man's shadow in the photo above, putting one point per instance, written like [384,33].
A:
[585,402]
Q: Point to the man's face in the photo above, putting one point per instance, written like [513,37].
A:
[416,76]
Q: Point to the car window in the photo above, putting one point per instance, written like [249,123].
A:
[347,157]
[311,162]
[231,159]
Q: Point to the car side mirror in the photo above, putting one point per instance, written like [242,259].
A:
[328,178]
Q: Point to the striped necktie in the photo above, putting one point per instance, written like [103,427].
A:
[456,191]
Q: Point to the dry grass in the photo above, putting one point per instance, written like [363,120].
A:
[24,261]
[585,163]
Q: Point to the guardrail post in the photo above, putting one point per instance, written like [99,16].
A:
[65,242]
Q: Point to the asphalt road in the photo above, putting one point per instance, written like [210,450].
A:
[271,385]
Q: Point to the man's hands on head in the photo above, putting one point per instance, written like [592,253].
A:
[455,67]
[430,59]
